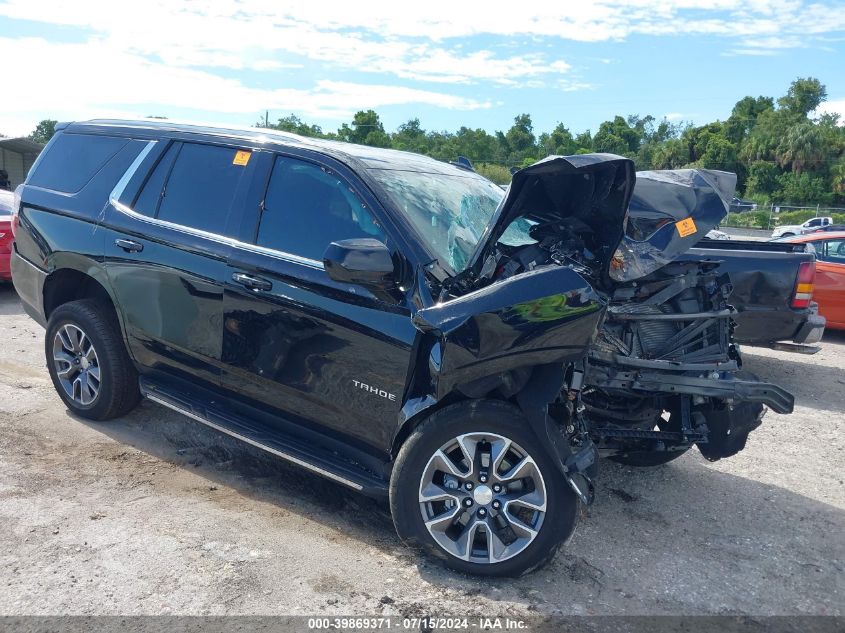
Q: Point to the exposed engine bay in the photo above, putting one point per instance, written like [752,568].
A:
[661,372]
[563,243]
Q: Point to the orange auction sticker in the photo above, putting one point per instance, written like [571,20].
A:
[686,227]
[241,157]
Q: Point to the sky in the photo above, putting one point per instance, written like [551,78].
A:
[450,64]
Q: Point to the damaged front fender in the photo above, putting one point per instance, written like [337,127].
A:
[491,338]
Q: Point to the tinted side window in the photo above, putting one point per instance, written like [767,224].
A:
[148,199]
[73,159]
[833,251]
[306,207]
[201,187]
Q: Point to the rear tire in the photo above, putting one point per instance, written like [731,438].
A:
[88,362]
[519,512]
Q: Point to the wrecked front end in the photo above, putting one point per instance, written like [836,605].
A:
[664,371]
[572,307]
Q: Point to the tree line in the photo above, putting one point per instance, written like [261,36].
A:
[779,150]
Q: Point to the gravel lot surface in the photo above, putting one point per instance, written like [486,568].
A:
[154,514]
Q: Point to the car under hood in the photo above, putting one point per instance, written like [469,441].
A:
[670,211]
[637,222]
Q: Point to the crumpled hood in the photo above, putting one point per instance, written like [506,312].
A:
[594,188]
[640,221]
[670,211]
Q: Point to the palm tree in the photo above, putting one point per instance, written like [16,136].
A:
[837,176]
[801,148]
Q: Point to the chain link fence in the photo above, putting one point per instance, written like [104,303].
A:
[774,215]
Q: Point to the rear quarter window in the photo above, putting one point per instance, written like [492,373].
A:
[72,160]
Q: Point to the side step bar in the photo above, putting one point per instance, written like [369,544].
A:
[309,455]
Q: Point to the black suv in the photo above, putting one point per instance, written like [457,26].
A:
[397,324]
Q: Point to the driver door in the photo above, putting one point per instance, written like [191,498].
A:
[296,342]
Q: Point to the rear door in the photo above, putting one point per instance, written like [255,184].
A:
[169,234]
[310,349]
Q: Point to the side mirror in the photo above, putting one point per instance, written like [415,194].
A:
[363,261]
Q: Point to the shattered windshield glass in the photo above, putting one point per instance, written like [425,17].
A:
[449,211]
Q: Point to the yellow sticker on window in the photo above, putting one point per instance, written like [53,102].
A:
[686,227]
[241,157]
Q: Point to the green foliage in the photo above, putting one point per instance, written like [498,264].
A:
[559,143]
[764,219]
[498,174]
[366,129]
[778,152]
[803,96]
[804,189]
[744,117]
[750,220]
[762,180]
[295,125]
[44,131]
[617,137]
[519,141]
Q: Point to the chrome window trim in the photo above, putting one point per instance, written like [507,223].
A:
[127,175]
[114,200]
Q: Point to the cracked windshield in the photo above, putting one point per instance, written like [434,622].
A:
[450,212]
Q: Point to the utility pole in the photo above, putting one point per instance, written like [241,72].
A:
[266,118]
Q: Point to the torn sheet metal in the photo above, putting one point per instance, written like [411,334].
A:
[669,212]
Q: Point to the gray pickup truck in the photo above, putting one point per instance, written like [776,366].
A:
[765,277]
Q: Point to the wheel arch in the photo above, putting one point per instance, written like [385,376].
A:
[67,284]
[74,278]
[530,390]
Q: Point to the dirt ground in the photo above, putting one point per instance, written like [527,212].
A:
[154,514]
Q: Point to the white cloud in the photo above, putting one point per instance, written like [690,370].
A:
[754,52]
[99,79]
[261,35]
[420,41]
[833,106]
[673,116]
[175,53]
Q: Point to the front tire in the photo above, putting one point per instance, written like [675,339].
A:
[88,362]
[473,487]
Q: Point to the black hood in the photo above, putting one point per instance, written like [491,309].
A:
[670,211]
[594,188]
[639,221]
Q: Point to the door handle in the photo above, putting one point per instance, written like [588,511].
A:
[253,283]
[129,246]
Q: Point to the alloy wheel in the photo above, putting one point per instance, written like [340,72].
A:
[482,498]
[76,363]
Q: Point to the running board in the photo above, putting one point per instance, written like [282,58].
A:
[297,450]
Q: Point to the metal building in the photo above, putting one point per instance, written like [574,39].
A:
[17,156]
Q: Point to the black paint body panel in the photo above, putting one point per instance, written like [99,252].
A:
[352,365]
[762,293]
